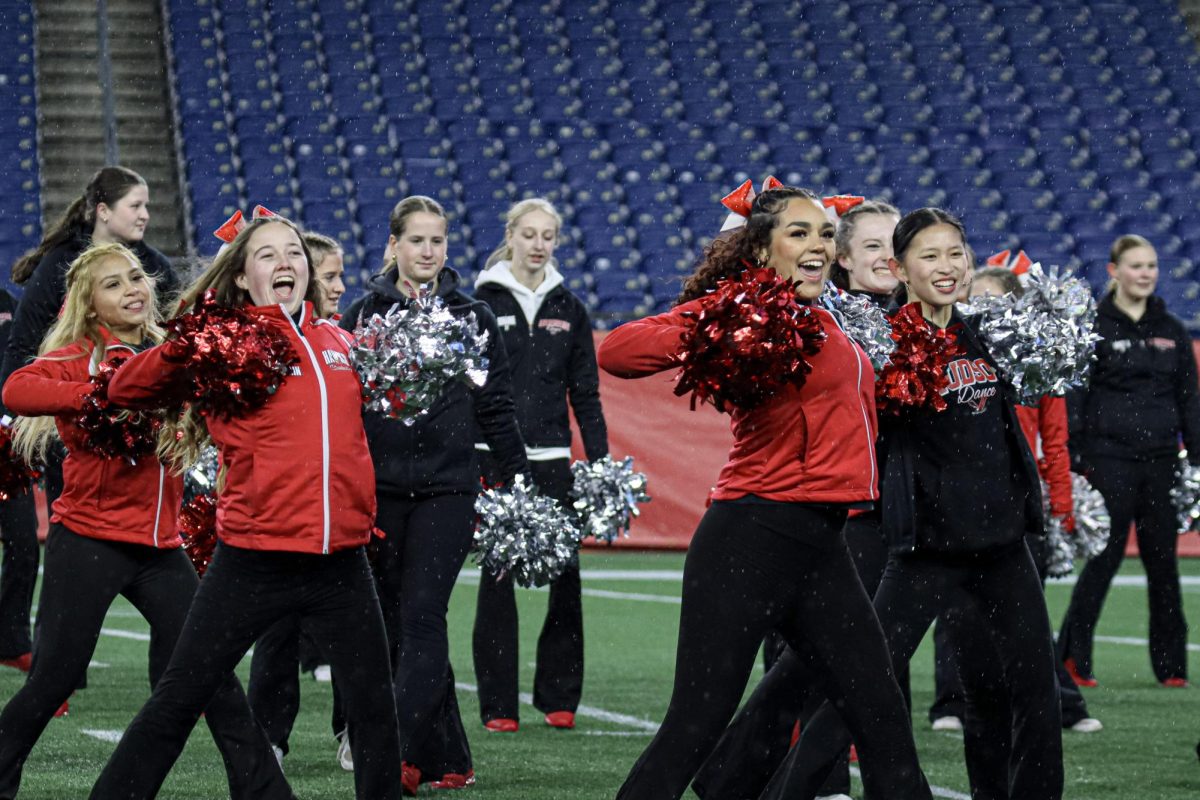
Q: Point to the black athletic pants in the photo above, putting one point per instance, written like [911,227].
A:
[1005,588]
[558,676]
[18,573]
[1137,492]
[280,655]
[82,578]
[752,568]
[757,740]
[243,593]
[416,565]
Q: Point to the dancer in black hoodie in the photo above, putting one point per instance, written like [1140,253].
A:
[427,478]
[548,336]
[942,474]
[1125,434]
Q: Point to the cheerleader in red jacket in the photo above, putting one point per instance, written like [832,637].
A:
[112,529]
[293,518]
[768,553]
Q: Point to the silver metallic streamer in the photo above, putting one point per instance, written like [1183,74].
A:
[1092,522]
[1060,549]
[1043,341]
[407,357]
[606,496]
[523,533]
[1186,494]
[201,478]
[863,321]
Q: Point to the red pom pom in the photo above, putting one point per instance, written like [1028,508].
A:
[749,340]
[113,432]
[916,375]
[234,361]
[198,529]
[16,476]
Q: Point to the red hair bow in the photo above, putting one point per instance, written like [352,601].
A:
[842,203]
[741,199]
[237,223]
[1019,265]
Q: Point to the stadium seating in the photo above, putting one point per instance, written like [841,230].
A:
[20,205]
[1052,127]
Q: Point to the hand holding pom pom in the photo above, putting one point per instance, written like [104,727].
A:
[16,476]
[1042,340]
[749,340]
[607,494]
[523,533]
[406,358]
[198,529]
[916,375]
[233,361]
[113,432]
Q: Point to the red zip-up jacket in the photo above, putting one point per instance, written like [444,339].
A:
[815,444]
[103,498]
[298,472]
[1048,419]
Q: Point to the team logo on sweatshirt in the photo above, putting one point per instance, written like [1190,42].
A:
[507,321]
[1161,343]
[973,381]
[335,360]
[555,325]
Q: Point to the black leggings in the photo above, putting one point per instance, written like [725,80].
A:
[752,568]
[1137,492]
[243,593]
[82,578]
[558,678]
[1005,588]
[416,565]
[757,740]
[18,573]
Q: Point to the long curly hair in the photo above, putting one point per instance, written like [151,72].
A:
[733,253]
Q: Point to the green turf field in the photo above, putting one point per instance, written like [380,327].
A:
[1145,751]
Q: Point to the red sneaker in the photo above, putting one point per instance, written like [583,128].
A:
[561,719]
[502,725]
[853,754]
[410,779]
[453,780]
[1086,681]
[1176,683]
[22,662]
[63,710]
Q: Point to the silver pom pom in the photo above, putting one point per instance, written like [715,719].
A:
[202,477]
[1092,522]
[1060,549]
[407,357]
[1043,341]
[863,321]
[1186,494]
[607,494]
[523,533]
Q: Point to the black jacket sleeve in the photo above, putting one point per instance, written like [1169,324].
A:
[583,388]
[349,320]
[40,302]
[1187,395]
[495,411]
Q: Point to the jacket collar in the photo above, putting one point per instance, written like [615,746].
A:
[500,274]
[278,315]
[384,284]
[1156,307]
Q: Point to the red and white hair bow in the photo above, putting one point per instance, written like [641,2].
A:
[1018,264]
[841,203]
[741,200]
[237,223]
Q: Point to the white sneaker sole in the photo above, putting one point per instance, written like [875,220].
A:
[947,724]
[1087,725]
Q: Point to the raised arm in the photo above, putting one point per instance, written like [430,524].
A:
[645,346]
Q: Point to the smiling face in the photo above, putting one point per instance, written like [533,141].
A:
[801,247]
[532,239]
[1135,273]
[125,220]
[121,297]
[869,252]
[420,249]
[276,269]
[329,278]
[934,265]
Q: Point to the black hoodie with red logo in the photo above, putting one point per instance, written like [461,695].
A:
[1142,399]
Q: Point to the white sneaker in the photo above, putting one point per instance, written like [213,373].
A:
[947,724]
[1088,725]
[278,751]
[344,756]
[323,674]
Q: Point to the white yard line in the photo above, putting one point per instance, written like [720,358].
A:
[936,791]
[104,736]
